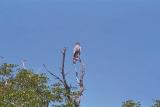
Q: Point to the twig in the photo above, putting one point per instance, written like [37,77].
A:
[81,84]
[56,77]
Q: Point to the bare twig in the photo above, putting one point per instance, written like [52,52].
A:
[56,77]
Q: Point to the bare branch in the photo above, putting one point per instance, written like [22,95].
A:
[77,78]
[56,77]
[73,98]
[82,73]
[80,78]
[66,86]
[62,69]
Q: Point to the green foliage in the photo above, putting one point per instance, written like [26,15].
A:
[25,89]
[156,103]
[58,91]
[60,96]
[131,103]
[6,69]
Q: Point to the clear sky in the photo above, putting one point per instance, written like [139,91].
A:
[120,44]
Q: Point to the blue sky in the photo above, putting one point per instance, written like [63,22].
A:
[119,38]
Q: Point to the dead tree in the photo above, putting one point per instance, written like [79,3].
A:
[75,98]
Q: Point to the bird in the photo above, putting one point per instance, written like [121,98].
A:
[76,52]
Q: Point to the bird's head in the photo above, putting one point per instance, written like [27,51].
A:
[77,43]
